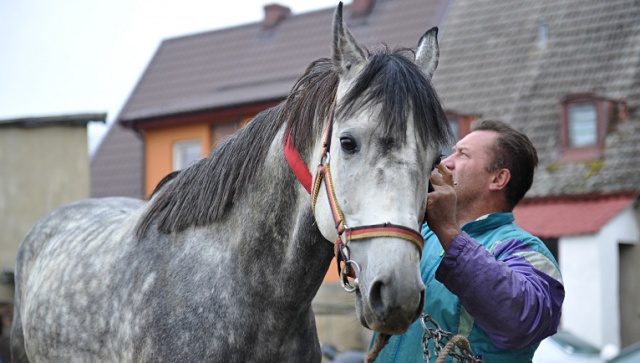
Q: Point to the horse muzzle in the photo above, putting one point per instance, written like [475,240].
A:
[383,311]
[390,294]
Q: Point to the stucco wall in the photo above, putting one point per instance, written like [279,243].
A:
[629,286]
[41,168]
[590,266]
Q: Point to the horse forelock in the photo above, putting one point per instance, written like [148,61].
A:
[395,82]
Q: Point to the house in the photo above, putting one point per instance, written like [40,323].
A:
[43,165]
[567,73]
[201,88]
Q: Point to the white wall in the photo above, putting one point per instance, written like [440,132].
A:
[590,266]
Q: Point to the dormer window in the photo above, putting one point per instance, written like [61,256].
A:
[582,125]
[584,121]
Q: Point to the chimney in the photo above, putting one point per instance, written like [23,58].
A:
[361,8]
[274,14]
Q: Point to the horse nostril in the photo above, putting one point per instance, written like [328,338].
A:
[375,300]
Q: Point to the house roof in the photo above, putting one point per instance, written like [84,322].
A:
[117,166]
[78,119]
[570,217]
[237,66]
[491,64]
[254,63]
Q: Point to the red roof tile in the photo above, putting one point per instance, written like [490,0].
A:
[552,218]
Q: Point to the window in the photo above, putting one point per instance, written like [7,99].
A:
[584,121]
[583,125]
[186,153]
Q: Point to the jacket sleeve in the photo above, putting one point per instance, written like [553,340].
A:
[515,297]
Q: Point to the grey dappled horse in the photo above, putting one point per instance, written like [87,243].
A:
[224,260]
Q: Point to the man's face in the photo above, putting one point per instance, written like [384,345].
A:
[468,164]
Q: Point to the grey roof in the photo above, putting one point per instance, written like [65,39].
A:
[117,166]
[77,119]
[251,63]
[491,65]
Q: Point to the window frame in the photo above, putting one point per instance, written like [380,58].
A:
[603,108]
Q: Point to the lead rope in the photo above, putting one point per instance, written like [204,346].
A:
[456,346]
[380,342]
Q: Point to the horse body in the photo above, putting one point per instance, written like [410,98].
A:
[172,297]
[223,262]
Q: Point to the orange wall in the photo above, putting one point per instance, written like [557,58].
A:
[159,149]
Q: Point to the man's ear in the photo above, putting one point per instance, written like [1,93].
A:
[500,179]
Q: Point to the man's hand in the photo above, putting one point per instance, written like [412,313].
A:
[441,206]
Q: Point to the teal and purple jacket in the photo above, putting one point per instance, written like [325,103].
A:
[497,285]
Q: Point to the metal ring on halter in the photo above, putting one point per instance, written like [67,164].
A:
[345,283]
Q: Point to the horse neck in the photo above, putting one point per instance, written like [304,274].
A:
[279,230]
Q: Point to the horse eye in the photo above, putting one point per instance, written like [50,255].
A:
[348,144]
[437,161]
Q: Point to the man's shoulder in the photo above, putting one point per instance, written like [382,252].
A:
[516,241]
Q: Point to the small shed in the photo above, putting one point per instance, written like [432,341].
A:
[43,164]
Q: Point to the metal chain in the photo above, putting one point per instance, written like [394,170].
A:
[445,343]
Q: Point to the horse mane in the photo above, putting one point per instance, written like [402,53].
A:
[203,192]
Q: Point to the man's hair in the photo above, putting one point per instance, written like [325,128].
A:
[513,151]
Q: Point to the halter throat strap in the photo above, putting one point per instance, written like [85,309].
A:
[297,166]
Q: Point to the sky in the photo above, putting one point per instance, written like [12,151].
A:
[62,57]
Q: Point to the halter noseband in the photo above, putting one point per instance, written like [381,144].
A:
[350,267]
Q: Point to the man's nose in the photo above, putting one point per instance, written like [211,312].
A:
[448,162]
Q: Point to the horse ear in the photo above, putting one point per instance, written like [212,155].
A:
[427,52]
[346,51]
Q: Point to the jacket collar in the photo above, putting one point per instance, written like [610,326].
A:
[488,222]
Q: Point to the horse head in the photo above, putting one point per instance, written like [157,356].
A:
[383,138]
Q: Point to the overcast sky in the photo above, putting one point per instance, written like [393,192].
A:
[72,56]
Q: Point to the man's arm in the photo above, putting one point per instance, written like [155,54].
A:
[516,302]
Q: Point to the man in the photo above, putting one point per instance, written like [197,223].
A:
[486,278]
